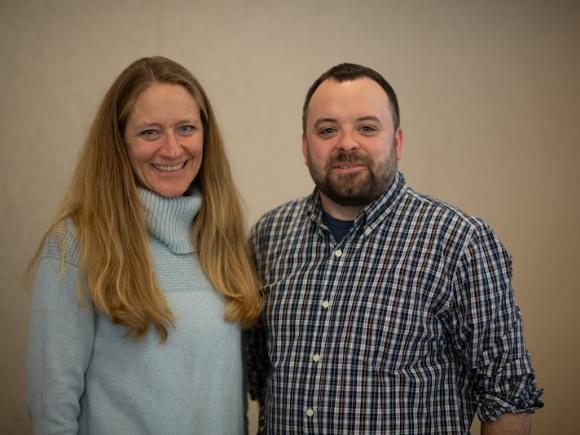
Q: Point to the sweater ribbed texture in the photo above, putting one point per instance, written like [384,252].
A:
[169,219]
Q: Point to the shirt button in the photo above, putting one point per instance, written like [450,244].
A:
[367,231]
[338,252]
[315,357]
[309,412]
[325,304]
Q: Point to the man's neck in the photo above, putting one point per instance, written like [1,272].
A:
[341,212]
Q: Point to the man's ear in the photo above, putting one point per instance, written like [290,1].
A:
[399,143]
[305,149]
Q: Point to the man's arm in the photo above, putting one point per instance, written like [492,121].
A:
[257,364]
[488,335]
[508,424]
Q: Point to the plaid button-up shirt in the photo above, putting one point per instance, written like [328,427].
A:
[407,326]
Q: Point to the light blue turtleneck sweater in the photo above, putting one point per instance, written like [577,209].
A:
[86,377]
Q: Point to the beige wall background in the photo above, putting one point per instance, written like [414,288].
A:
[490,100]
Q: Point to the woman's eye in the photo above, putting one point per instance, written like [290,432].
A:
[186,129]
[149,134]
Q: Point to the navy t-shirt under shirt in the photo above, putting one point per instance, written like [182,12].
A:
[338,228]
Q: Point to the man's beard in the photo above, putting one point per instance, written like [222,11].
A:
[354,189]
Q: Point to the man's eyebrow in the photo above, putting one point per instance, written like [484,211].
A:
[369,118]
[323,120]
[360,119]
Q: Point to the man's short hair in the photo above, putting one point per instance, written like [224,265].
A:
[351,71]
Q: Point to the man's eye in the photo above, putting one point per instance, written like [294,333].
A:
[328,131]
[367,130]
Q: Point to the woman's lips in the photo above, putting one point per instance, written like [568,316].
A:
[169,168]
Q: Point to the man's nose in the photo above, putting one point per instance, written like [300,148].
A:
[348,141]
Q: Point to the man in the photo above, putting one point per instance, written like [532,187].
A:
[386,311]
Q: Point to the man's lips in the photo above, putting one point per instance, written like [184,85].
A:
[346,167]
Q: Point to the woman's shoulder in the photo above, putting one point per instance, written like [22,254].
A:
[61,242]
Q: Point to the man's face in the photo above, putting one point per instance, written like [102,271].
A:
[350,145]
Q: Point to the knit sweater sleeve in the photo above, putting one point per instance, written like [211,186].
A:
[60,346]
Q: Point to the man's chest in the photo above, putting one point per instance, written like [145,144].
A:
[371,301]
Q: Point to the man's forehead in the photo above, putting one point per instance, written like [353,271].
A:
[361,87]
[360,97]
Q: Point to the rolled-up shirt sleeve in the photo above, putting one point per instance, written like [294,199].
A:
[488,332]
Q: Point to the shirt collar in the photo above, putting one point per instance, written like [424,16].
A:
[372,214]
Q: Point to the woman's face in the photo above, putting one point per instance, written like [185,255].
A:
[164,136]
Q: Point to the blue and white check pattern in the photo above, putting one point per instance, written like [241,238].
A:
[407,326]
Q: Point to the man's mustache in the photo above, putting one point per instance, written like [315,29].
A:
[355,157]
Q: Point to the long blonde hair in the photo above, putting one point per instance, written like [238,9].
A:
[103,204]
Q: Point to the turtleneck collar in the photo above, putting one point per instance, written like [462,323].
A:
[169,219]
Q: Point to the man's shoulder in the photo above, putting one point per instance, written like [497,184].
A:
[286,213]
[442,211]
[457,230]
[448,221]
[281,224]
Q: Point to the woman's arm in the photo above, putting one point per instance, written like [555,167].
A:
[60,347]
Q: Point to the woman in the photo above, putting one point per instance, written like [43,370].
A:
[144,261]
